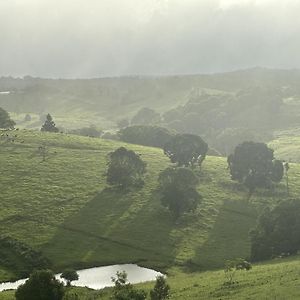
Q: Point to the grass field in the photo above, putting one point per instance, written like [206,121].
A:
[287,147]
[278,279]
[63,207]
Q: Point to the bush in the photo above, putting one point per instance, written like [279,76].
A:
[125,168]
[152,136]
[277,232]
[161,289]
[186,150]
[178,190]
[69,275]
[41,285]
[231,266]
[253,164]
[125,291]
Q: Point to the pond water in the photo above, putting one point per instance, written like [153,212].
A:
[100,277]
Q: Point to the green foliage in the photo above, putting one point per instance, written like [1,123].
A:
[178,190]
[231,266]
[125,168]
[276,279]
[124,290]
[41,285]
[49,125]
[153,136]
[253,165]
[53,206]
[5,120]
[161,289]
[186,149]
[277,231]
[146,116]
[69,275]
[20,257]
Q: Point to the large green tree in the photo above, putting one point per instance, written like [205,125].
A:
[186,149]
[277,231]
[41,285]
[5,121]
[125,168]
[254,165]
[178,190]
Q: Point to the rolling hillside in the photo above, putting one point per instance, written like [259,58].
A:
[278,279]
[104,101]
[64,208]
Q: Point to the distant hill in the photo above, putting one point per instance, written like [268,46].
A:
[104,101]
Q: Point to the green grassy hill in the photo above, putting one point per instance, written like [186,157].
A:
[278,279]
[63,207]
[287,145]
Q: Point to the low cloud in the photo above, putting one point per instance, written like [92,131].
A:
[92,38]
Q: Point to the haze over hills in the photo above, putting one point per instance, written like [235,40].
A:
[159,134]
[259,103]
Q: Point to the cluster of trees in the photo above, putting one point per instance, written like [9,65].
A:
[20,257]
[125,291]
[177,185]
[42,285]
[223,119]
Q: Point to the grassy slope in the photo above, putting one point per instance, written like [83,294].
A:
[63,207]
[287,146]
[278,279]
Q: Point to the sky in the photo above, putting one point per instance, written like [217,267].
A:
[104,38]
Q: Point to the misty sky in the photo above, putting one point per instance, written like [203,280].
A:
[96,38]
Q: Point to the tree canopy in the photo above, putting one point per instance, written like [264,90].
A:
[186,149]
[161,289]
[49,125]
[178,190]
[41,285]
[124,290]
[153,136]
[277,231]
[5,121]
[253,164]
[69,275]
[125,168]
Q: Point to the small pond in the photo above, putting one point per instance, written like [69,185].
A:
[100,277]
